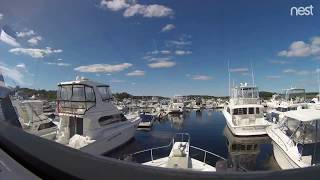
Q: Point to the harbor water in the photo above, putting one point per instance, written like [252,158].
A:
[208,130]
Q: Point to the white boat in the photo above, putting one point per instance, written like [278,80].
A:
[244,113]
[33,120]
[180,155]
[88,119]
[146,120]
[296,139]
[176,105]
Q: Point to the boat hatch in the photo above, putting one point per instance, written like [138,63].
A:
[75,99]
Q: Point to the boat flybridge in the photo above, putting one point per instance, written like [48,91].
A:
[244,112]
[88,119]
[180,156]
[296,140]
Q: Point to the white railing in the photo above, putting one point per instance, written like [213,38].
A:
[185,137]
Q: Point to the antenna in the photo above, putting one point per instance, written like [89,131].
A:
[252,75]
[318,77]
[229,78]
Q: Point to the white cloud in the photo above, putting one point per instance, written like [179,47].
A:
[201,77]
[21,66]
[34,40]
[63,64]
[51,63]
[289,71]
[160,59]
[35,53]
[182,52]
[1,16]
[117,81]
[162,64]
[59,59]
[136,73]
[303,49]
[273,77]
[296,72]
[105,68]
[26,33]
[239,70]
[114,5]
[149,11]
[179,43]
[167,27]
[165,52]
[279,62]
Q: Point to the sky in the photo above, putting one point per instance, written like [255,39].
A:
[169,47]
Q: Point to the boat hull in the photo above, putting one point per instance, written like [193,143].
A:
[283,160]
[248,130]
[112,139]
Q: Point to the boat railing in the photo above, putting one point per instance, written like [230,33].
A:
[153,149]
[207,153]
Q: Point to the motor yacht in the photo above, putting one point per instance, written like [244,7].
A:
[176,105]
[244,113]
[146,120]
[296,139]
[33,120]
[89,121]
[180,156]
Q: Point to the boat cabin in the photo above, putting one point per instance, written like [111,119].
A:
[302,127]
[77,97]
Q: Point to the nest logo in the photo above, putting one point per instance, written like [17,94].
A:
[302,11]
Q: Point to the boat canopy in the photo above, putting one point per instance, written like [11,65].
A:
[304,115]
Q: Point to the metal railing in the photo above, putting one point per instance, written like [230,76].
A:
[185,137]
[207,152]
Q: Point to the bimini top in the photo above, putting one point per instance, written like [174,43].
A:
[304,114]
[82,80]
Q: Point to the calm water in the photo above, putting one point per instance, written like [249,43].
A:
[208,131]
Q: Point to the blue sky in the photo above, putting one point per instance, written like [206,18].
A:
[161,47]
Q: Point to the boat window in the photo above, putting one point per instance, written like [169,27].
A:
[105,93]
[89,94]
[106,120]
[78,93]
[235,111]
[251,110]
[228,110]
[66,92]
[257,111]
[244,110]
[46,125]
[249,147]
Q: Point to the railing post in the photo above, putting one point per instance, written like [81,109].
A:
[151,155]
[205,156]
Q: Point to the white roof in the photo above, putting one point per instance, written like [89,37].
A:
[245,106]
[83,81]
[304,114]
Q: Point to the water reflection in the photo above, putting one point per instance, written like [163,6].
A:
[247,153]
[176,121]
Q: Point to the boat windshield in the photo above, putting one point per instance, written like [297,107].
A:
[75,99]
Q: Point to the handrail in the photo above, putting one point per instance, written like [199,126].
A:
[205,155]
